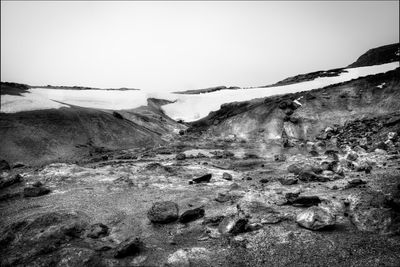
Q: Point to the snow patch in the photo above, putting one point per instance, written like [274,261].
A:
[381,85]
[186,107]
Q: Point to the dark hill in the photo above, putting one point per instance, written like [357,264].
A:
[379,55]
[35,137]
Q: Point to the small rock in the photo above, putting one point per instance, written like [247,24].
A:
[191,215]
[223,197]
[296,200]
[214,220]
[196,256]
[227,176]
[234,186]
[129,247]
[294,168]
[352,156]
[180,156]
[279,157]
[37,184]
[315,218]
[97,230]
[4,166]
[203,179]
[233,225]
[355,182]
[18,165]
[264,181]
[380,151]
[10,181]
[35,191]
[163,212]
[314,153]
[288,181]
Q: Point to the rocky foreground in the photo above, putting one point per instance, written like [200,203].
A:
[212,202]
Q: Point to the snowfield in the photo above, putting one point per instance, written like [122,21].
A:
[187,107]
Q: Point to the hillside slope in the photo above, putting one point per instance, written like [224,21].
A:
[378,55]
[303,115]
[72,133]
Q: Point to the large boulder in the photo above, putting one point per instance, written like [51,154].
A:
[315,218]
[163,212]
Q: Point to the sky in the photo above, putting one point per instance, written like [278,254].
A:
[172,46]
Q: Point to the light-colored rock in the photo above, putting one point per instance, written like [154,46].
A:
[315,218]
[197,256]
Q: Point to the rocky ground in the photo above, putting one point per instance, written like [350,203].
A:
[211,202]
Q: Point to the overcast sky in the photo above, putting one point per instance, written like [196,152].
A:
[186,45]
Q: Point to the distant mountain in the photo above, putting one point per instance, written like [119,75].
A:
[10,88]
[379,55]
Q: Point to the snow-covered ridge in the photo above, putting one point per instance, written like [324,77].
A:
[187,107]
[194,107]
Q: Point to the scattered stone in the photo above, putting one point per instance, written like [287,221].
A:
[191,215]
[37,184]
[380,151]
[227,176]
[315,218]
[223,197]
[222,154]
[129,247]
[352,156]
[288,181]
[197,256]
[234,186]
[233,225]
[4,166]
[314,153]
[10,181]
[180,156]
[97,230]
[279,157]
[392,136]
[163,212]
[71,256]
[294,168]
[203,179]
[305,201]
[264,180]
[18,165]
[355,182]
[213,221]
[36,191]
[250,156]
